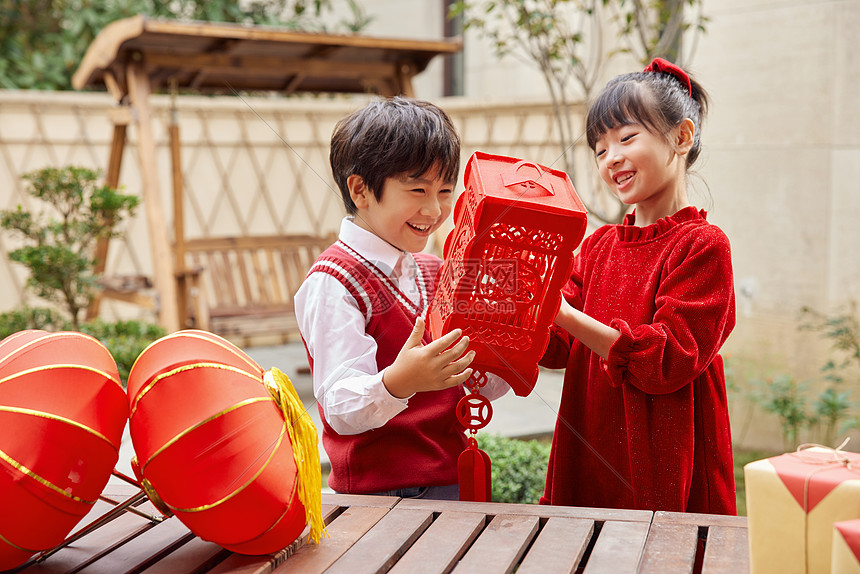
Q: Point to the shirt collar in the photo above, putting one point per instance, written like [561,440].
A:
[370,246]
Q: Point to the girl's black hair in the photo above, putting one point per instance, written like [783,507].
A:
[391,137]
[658,101]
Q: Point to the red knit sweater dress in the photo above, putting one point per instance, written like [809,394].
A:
[648,428]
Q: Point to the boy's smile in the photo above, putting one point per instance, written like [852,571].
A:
[409,210]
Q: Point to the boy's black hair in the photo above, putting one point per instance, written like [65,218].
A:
[391,137]
[658,101]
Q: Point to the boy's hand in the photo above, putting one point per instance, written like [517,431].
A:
[432,367]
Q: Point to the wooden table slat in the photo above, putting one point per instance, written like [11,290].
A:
[442,544]
[344,531]
[618,548]
[375,534]
[194,556]
[542,511]
[385,543]
[98,509]
[144,550]
[242,564]
[726,550]
[500,546]
[700,519]
[559,546]
[97,544]
[671,547]
[353,500]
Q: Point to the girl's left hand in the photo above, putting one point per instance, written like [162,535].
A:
[591,332]
[565,314]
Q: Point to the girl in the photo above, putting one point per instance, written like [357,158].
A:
[643,421]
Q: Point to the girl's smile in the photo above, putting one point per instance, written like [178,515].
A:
[645,169]
[622,178]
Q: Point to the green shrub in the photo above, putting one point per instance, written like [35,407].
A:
[23,318]
[519,467]
[60,250]
[60,238]
[785,397]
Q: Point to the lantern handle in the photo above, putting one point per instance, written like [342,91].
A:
[527,180]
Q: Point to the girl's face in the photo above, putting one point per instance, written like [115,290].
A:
[643,168]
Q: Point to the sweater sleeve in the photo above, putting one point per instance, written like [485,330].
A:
[695,312]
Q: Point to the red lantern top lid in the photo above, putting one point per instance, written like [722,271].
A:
[523,182]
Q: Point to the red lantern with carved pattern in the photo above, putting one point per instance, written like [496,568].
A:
[62,413]
[516,226]
[213,445]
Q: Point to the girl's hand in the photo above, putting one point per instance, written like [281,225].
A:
[565,314]
[439,365]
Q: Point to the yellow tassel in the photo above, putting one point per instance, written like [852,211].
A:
[303,435]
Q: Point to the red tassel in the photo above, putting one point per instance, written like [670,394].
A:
[475,474]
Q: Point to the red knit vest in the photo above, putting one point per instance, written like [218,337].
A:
[419,446]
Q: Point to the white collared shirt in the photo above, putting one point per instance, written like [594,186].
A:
[347,382]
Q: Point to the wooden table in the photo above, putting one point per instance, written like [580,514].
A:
[377,534]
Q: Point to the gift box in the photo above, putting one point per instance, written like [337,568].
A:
[846,548]
[793,501]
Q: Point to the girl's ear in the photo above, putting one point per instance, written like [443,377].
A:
[358,191]
[684,136]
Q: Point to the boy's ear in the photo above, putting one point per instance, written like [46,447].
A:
[358,191]
[684,136]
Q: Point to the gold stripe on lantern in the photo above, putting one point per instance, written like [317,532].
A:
[27,472]
[58,418]
[209,340]
[64,366]
[201,423]
[16,547]
[250,481]
[181,369]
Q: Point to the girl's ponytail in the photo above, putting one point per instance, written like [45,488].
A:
[696,96]
[697,112]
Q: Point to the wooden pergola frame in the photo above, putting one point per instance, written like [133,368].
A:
[134,57]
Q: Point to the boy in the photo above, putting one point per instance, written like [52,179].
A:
[386,392]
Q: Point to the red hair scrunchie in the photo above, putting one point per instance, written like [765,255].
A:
[662,66]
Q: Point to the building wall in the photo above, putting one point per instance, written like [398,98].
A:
[251,166]
[779,171]
[782,159]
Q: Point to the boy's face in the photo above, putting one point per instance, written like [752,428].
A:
[410,210]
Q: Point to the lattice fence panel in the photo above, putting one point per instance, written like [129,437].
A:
[251,166]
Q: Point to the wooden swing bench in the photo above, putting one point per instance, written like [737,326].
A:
[243,287]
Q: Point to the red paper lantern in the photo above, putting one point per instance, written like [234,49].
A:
[516,227]
[62,413]
[213,445]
